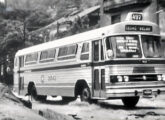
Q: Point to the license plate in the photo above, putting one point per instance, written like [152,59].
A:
[147,92]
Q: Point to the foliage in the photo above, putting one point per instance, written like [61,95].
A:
[78,26]
[30,4]
[38,19]
[65,7]
[62,8]
[89,3]
[16,14]
[15,26]
[12,34]
[24,16]
[11,40]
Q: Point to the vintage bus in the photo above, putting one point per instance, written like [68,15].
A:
[121,61]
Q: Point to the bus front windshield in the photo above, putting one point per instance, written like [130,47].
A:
[124,46]
[152,47]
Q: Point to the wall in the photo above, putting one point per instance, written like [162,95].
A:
[151,10]
[148,10]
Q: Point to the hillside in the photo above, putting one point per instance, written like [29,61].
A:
[50,4]
[56,8]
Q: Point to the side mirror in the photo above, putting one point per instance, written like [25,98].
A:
[109,53]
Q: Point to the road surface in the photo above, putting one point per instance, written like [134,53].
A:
[146,109]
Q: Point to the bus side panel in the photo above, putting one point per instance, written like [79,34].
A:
[16,79]
[16,75]
[58,82]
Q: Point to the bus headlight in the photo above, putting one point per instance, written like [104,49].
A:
[163,77]
[159,77]
[126,78]
[119,78]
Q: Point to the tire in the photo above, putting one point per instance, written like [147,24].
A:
[33,92]
[94,101]
[85,95]
[130,101]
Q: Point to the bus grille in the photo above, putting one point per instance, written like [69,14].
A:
[134,78]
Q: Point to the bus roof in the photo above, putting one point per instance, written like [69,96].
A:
[115,29]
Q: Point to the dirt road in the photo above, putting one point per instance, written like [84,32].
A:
[147,109]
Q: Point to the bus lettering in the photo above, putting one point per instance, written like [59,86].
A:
[137,17]
[52,78]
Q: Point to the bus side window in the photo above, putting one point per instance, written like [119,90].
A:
[67,52]
[109,50]
[31,58]
[96,50]
[85,51]
[21,61]
[102,52]
[47,55]
[163,48]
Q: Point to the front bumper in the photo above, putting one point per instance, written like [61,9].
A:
[143,89]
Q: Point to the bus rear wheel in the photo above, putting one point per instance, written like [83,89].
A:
[33,92]
[85,95]
[130,101]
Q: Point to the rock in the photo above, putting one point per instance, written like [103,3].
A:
[26,103]
[75,116]
[7,118]
[5,92]
[52,115]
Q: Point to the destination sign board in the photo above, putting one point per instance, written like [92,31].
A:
[140,28]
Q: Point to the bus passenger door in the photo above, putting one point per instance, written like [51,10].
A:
[20,79]
[98,81]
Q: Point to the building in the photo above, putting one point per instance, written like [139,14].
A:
[113,11]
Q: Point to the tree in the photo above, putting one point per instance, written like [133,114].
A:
[10,42]
[31,4]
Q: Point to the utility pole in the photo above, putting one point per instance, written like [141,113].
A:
[157,16]
[24,32]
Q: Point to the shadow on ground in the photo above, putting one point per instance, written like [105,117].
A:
[116,107]
[59,102]
[104,105]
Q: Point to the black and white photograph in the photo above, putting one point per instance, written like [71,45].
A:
[82,59]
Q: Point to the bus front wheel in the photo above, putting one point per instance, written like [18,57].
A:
[130,101]
[85,95]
